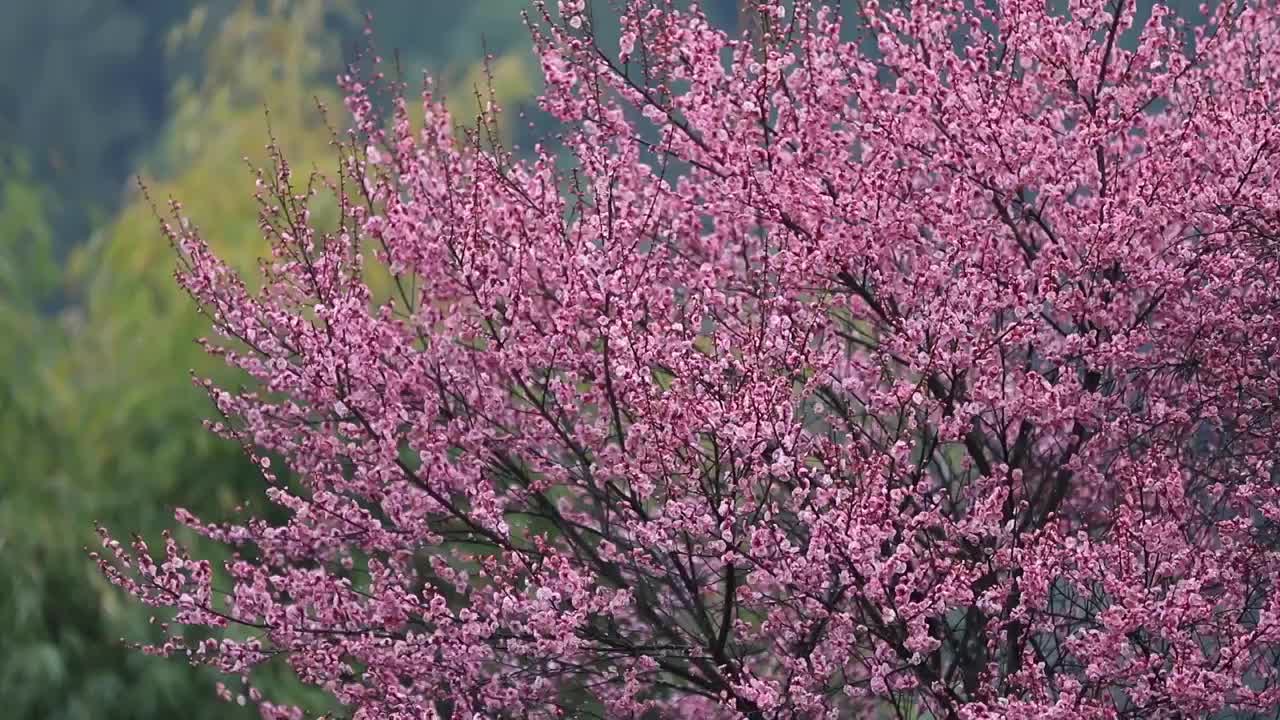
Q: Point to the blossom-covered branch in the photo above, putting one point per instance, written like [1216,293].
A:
[916,358]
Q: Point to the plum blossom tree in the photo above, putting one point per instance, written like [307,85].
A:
[917,360]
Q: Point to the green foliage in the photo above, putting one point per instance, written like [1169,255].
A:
[62,657]
[98,417]
[448,37]
[28,272]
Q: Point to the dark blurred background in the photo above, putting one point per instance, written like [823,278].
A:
[99,420]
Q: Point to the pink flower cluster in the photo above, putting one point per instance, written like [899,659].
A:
[920,358]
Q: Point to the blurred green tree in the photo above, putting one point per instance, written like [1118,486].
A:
[99,418]
[449,38]
[62,658]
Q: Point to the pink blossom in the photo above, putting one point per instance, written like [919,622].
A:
[823,383]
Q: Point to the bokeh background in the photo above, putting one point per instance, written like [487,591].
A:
[99,420]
